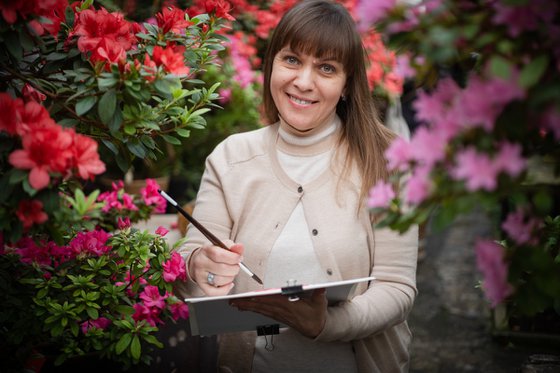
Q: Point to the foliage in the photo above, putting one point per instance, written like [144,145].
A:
[75,275]
[488,98]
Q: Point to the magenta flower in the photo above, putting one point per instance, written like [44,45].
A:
[520,18]
[437,106]
[179,311]
[476,169]
[162,231]
[123,223]
[100,323]
[522,228]
[174,268]
[91,243]
[380,195]
[550,121]
[491,262]
[152,297]
[150,314]
[30,252]
[152,197]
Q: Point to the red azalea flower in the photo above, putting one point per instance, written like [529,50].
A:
[220,7]
[91,243]
[33,117]
[45,150]
[30,252]
[99,28]
[10,113]
[108,50]
[172,19]
[171,58]
[31,212]
[31,94]
[86,157]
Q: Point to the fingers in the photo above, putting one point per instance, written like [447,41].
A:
[214,269]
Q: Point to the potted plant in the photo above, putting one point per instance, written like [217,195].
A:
[77,277]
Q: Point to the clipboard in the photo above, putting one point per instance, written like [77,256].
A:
[213,315]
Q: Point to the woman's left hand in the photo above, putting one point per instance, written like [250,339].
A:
[307,315]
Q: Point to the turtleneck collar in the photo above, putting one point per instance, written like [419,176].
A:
[316,141]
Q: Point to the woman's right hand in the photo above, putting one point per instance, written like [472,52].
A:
[214,268]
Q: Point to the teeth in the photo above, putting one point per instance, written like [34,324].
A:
[301,102]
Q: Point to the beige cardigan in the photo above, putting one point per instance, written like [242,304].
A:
[245,196]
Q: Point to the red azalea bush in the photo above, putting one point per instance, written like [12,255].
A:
[82,86]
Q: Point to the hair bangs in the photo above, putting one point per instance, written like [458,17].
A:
[318,37]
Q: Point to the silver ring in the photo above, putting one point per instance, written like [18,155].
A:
[210,278]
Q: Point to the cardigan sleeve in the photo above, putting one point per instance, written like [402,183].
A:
[389,298]
[211,211]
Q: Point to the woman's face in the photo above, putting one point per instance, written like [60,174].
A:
[306,89]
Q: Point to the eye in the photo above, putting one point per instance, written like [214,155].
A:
[291,60]
[328,69]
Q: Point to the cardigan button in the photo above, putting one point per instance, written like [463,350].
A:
[300,189]
[329,271]
[315,232]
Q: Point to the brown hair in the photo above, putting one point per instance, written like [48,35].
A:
[326,29]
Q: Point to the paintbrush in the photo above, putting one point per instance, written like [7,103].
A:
[215,240]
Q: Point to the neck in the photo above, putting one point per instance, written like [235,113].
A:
[288,128]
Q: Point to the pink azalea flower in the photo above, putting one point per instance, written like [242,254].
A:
[509,159]
[179,311]
[490,259]
[427,146]
[380,195]
[418,186]
[483,100]
[526,17]
[174,268]
[522,228]
[162,231]
[30,252]
[152,297]
[438,105]
[476,169]
[373,11]
[398,154]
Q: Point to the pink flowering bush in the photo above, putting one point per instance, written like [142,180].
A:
[489,136]
[84,88]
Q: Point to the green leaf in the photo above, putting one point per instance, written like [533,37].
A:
[107,105]
[500,67]
[135,348]
[123,343]
[137,149]
[92,313]
[11,41]
[112,147]
[85,104]
[532,72]
[183,132]
[171,139]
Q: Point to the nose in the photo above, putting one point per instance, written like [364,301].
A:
[304,79]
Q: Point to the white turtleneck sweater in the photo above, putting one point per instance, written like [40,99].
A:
[293,257]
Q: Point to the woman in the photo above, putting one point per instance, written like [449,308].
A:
[291,196]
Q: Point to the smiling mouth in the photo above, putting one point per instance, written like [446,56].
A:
[299,101]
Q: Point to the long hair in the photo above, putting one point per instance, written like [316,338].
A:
[326,29]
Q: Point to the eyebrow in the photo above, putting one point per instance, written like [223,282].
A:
[318,59]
